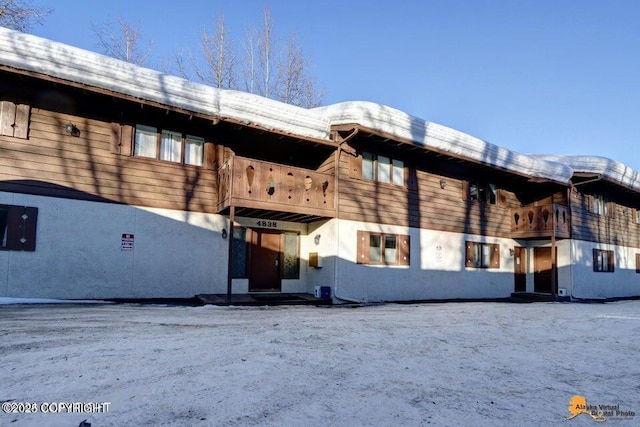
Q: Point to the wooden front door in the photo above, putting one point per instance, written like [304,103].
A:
[542,270]
[264,274]
[520,269]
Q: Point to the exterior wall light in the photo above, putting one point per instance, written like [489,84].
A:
[224,233]
[316,239]
[443,183]
[72,129]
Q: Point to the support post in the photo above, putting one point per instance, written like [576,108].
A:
[232,214]
[554,267]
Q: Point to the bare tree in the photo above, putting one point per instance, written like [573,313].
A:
[263,66]
[249,63]
[296,86]
[219,57]
[21,15]
[266,54]
[122,41]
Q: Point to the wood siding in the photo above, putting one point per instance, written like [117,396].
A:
[617,228]
[420,203]
[51,162]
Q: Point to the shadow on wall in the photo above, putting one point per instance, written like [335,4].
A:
[108,250]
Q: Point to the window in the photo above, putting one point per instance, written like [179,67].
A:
[194,150]
[383,249]
[14,119]
[482,255]
[240,249]
[637,216]
[600,205]
[291,264]
[603,261]
[382,169]
[171,147]
[482,192]
[637,263]
[145,142]
[18,228]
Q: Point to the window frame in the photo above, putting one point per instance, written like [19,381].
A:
[372,166]
[160,141]
[19,225]
[483,249]
[402,248]
[485,192]
[599,260]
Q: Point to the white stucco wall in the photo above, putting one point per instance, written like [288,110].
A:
[78,252]
[436,271]
[623,282]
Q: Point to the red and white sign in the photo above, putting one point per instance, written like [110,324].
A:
[127,242]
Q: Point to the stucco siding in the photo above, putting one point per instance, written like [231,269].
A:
[436,271]
[79,252]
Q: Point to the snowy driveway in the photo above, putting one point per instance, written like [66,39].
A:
[472,364]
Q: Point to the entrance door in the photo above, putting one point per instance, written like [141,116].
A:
[543,270]
[265,262]
[520,269]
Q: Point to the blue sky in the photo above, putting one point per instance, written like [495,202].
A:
[552,77]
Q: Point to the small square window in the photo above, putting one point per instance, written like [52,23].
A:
[146,141]
[482,255]
[603,261]
[170,146]
[194,151]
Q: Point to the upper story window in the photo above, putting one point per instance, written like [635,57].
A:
[382,169]
[483,192]
[600,205]
[168,145]
[637,216]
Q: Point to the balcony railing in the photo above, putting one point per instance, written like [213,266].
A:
[540,221]
[257,184]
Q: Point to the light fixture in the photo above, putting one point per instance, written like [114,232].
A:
[443,183]
[224,233]
[72,129]
[316,239]
[512,251]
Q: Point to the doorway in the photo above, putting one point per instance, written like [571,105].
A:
[543,270]
[265,261]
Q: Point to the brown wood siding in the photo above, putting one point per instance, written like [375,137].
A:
[53,163]
[328,166]
[429,206]
[618,228]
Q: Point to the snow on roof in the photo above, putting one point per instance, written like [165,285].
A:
[610,170]
[32,53]
[441,138]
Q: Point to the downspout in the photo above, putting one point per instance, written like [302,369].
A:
[336,276]
[571,251]
[572,186]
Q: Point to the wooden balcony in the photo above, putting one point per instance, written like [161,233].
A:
[255,184]
[539,221]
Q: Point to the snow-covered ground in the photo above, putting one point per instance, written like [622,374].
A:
[472,364]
